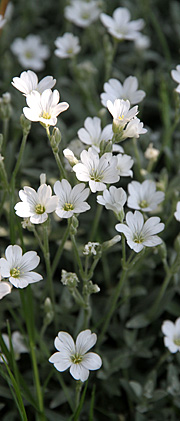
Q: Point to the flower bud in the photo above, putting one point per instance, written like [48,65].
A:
[25,124]
[69,155]
[110,243]
[43,178]
[70,279]
[90,288]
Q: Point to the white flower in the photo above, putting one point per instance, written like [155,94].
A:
[36,205]
[140,234]
[144,196]
[2,21]
[70,200]
[82,13]
[124,165]
[5,288]
[74,355]
[129,90]
[120,27]
[172,335]
[44,107]
[18,344]
[30,52]
[67,46]
[151,152]
[176,76]
[113,199]
[91,248]
[97,171]
[142,42]
[92,134]
[177,213]
[18,268]
[133,129]
[28,81]
[121,111]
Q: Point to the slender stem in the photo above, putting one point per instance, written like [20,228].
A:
[21,151]
[60,250]
[48,264]
[78,393]
[81,271]
[56,156]
[114,301]
[93,235]
[155,307]
[5,134]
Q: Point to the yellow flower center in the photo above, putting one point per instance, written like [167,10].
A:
[46,115]
[29,54]
[15,272]
[70,51]
[176,341]
[39,209]
[138,238]
[121,117]
[76,359]
[68,207]
[143,204]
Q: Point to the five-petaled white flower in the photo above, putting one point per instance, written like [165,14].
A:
[82,13]
[28,82]
[44,107]
[140,234]
[176,77]
[97,171]
[133,129]
[114,89]
[144,196]
[124,165]
[30,52]
[113,199]
[67,45]
[70,200]
[74,355]
[92,134]
[18,268]
[119,25]
[36,205]
[172,335]
[121,111]
[177,213]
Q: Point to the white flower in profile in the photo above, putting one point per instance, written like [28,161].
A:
[114,89]
[18,268]
[91,248]
[30,52]
[82,13]
[18,344]
[92,134]
[120,26]
[113,199]
[74,355]
[121,111]
[140,234]
[70,200]
[176,77]
[36,205]
[67,46]
[97,171]
[177,213]
[124,165]
[44,107]
[28,82]
[144,196]
[172,335]
[142,42]
[133,129]
[2,21]
[5,288]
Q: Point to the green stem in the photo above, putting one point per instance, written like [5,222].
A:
[60,250]
[112,308]
[5,134]
[81,271]
[21,151]
[78,393]
[48,264]
[56,156]
[152,313]
[94,230]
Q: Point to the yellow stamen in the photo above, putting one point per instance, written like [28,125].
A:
[68,207]
[15,272]
[39,209]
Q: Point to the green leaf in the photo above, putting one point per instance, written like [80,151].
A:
[137,322]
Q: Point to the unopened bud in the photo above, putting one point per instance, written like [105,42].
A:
[69,155]
[151,153]
[25,124]
[110,243]
[43,178]
[91,288]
